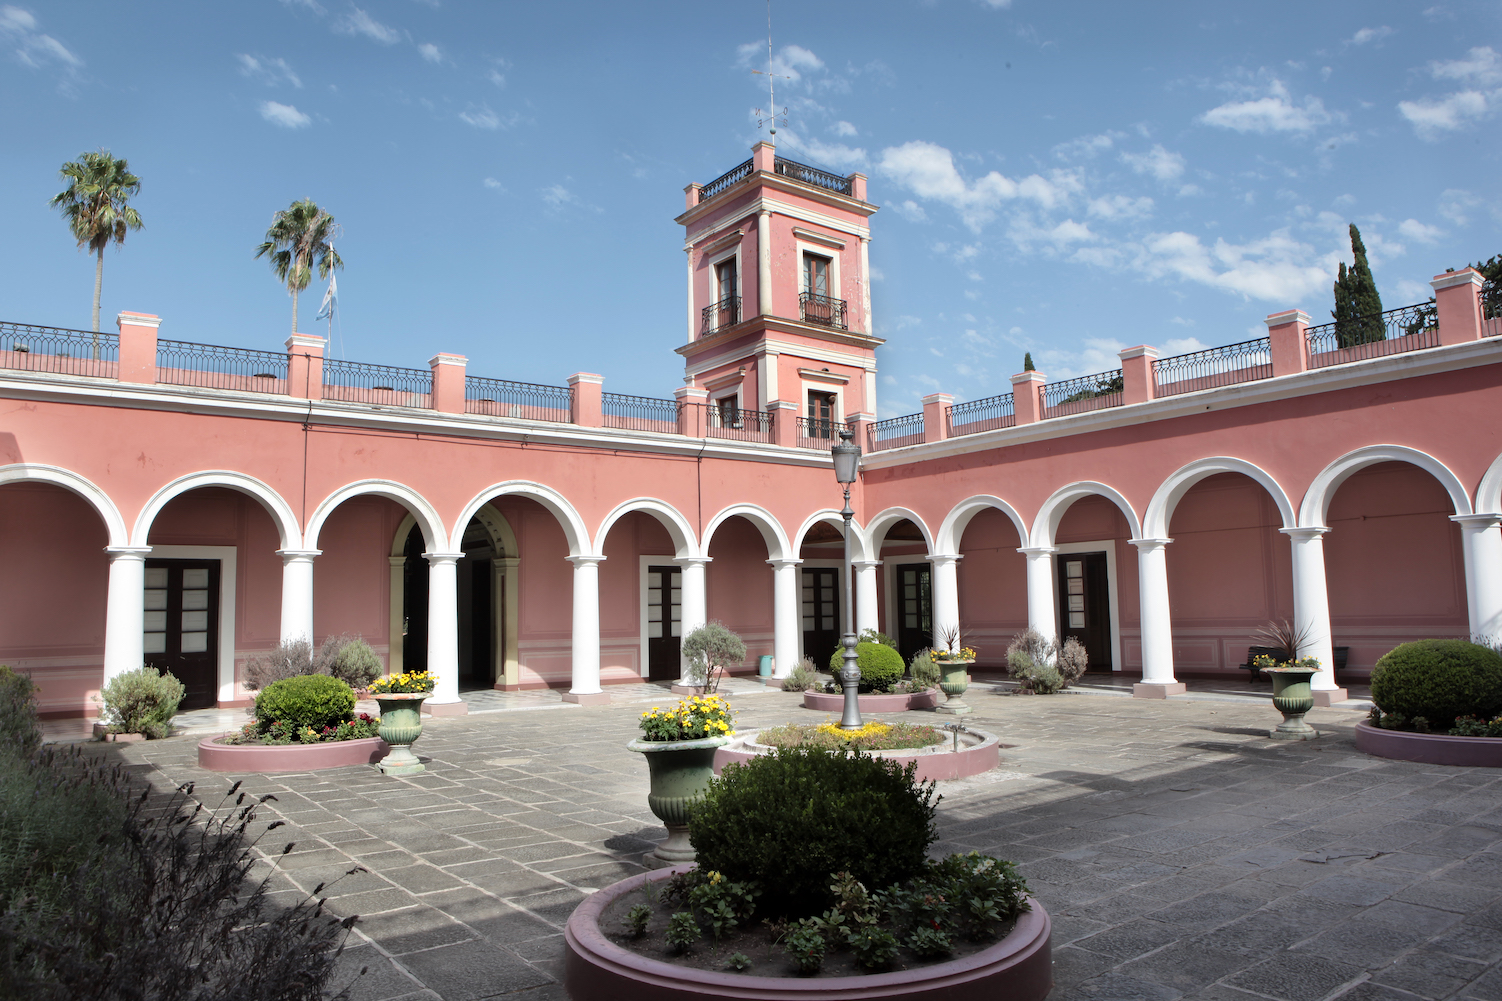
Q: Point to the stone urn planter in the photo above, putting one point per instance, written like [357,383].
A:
[1018,967]
[401,724]
[680,771]
[1293,698]
[953,683]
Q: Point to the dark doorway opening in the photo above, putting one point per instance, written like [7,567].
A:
[915,626]
[664,621]
[414,604]
[821,614]
[181,632]
[1085,605]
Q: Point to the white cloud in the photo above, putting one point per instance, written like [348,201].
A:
[357,22]
[836,155]
[284,115]
[997,4]
[928,171]
[1411,291]
[268,71]
[1158,162]
[481,117]
[1274,113]
[33,48]
[430,52]
[911,211]
[1429,118]
[1121,207]
[493,184]
[843,129]
[1366,35]
[1275,269]
[1086,146]
[1415,230]
[1482,67]
[793,58]
[1455,205]
[1190,190]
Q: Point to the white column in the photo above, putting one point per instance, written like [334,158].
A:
[1311,609]
[125,610]
[443,633]
[1040,604]
[397,624]
[1481,543]
[586,653]
[867,604]
[866,284]
[786,621]
[693,603]
[297,593]
[1157,624]
[946,596]
[764,263]
[693,319]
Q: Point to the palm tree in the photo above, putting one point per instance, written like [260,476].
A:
[96,207]
[299,236]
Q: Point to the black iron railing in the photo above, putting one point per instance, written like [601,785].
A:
[210,366]
[725,180]
[528,401]
[1408,328]
[1088,392]
[1491,308]
[811,175]
[821,309]
[380,385]
[976,416]
[29,348]
[819,432]
[639,413]
[1247,361]
[895,432]
[718,315]
[733,423]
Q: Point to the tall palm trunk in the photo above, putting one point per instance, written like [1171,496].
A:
[98,287]
[294,310]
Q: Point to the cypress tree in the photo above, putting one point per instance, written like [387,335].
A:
[1358,307]
[1027,362]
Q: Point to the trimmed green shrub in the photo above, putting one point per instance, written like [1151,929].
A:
[314,700]
[875,636]
[142,701]
[834,812]
[20,731]
[881,667]
[1439,680]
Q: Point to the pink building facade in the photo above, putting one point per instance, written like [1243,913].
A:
[191,506]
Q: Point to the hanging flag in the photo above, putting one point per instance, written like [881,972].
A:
[330,299]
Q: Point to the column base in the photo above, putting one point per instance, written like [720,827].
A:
[1329,696]
[772,683]
[1157,689]
[587,698]
[678,689]
[460,708]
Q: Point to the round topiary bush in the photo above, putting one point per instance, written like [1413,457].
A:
[1439,680]
[789,819]
[311,700]
[881,666]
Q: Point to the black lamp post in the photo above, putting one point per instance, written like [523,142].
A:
[847,460]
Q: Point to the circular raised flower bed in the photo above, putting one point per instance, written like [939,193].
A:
[979,752]
[1019,967]
[221,757]
[893,702]
[1429,748]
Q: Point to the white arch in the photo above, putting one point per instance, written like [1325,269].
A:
[877,527]
[778,547]
[573,526]
[953,528]
[1489,493]
[416,504]
[34,472]
[1160,509]
[289,531]
[671,519]
[1316,505]
[1046,524]
[832,517]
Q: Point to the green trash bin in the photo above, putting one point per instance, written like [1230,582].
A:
[764,666]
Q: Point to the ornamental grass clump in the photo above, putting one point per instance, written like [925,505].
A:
[691,719]
[802,678]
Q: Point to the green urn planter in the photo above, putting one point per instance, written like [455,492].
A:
[953,683]
[401,724]
[1293,698]
[680,771]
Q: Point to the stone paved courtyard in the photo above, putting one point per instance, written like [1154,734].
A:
[1180,853]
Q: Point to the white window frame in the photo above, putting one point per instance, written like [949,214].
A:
[714,275]
[1108,546]
[227,557]
[819,387]
[717,398]
[641,600]
[839,590]
[829,254]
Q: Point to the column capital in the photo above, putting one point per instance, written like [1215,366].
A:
[437,559]
[1037,552]
[127,552]
[692,561]
[585,561]
[1304,534]
[1148,545]
[1476,522]
[296,555]
[944,559]
[509,562]
[866,563]
[780,564]
[397,561]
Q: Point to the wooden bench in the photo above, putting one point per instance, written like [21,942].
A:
[1253,652]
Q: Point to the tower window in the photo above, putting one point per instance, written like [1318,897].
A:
[816,274]
[724,273]
[821,414]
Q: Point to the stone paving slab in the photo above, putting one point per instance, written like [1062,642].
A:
[1180,852]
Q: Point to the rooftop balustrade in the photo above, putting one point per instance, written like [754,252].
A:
[894,432]
[1212,368]
[786,168]
[28,348]
[821,310]
[1085,393]
[975,416]
[732,423]
[377,385]
[819,432]
[1408,328]
[212,366]
[528,401]
[1491,308]
[639,413]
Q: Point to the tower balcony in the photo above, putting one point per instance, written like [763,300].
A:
[719,315]
[821,310]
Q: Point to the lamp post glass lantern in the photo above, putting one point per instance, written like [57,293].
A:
[847,460]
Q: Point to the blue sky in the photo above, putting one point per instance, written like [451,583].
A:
[1061,178]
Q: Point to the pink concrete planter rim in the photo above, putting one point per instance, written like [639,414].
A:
[933,762]
[1429,748]
[893,702]
[217,757]
[1018,967]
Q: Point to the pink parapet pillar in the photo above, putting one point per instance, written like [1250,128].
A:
[138,332]
[1027,399]
[935,416]
[1457,301]
[587,390]
[305,366]
[448,382]
[1286,343]
[1138,385]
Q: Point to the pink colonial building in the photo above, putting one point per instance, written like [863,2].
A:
[191,506]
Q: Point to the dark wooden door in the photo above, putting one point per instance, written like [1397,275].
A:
[915,625]
[821,614]
[664,622]
[414,604]
[1085,605]
[181,633]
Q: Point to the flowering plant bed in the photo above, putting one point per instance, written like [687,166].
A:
[362,727]
[408,683]
[691,719]
[964,653]
[873,736]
